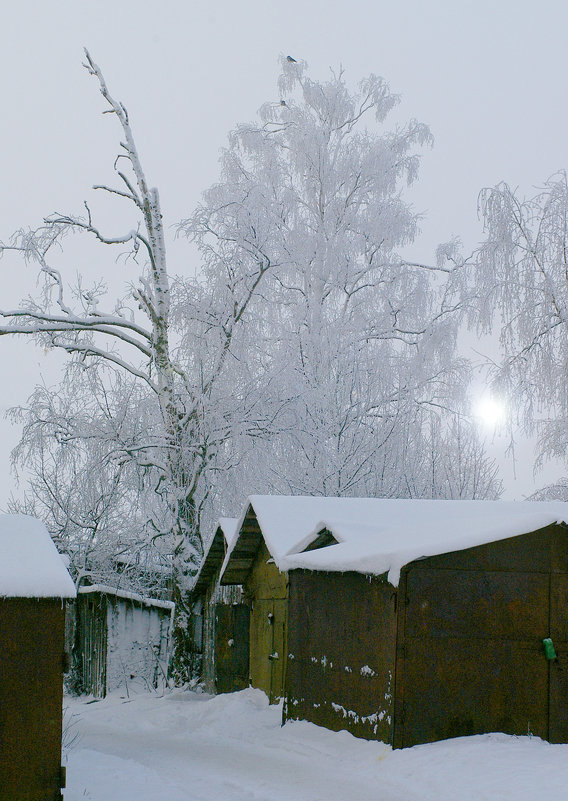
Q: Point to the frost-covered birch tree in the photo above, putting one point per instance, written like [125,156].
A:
[521,278]
[361,341]
[132,335]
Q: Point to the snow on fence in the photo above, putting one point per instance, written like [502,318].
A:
[122,641]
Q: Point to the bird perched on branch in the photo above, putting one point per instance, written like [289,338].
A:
[293,60]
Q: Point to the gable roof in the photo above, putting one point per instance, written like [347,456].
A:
[375,535]
[224,537]
[30,565]
[240,555]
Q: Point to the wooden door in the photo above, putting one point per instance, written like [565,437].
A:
[92,640]
[231,647]
[278,654]
[268,646]
[261,644]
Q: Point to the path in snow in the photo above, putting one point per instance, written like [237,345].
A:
[191,747]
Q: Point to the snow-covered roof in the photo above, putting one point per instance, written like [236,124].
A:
[229,527]
[378,535]
[226,531]
[30,566]
[105,589]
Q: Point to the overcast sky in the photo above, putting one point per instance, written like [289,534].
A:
[489,79]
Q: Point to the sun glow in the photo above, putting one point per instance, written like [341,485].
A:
[490,411]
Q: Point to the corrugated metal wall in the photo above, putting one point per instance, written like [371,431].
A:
[137,645]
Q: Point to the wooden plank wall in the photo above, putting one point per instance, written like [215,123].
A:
[91,644]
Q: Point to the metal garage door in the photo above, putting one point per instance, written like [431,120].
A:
[471,658]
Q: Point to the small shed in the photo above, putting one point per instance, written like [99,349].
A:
[220,619]
[254,561]
[34,585]
[122,641]
[413,621]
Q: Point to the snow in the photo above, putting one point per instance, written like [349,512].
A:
[380,535]
[229,527]
[128,596]
[30,566]
[186,746]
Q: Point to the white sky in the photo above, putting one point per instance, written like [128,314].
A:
[488,78]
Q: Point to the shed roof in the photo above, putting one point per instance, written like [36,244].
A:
[30,566]
[378,535]
[224,537]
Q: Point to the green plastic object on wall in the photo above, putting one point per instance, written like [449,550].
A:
[549,651]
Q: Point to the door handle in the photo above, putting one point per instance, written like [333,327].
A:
[549,650]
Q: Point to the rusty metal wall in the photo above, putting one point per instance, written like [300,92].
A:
[470,657]
[467,632]
[341,652]
[558,676]
[31,693]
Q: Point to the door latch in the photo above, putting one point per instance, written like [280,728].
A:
[549,651]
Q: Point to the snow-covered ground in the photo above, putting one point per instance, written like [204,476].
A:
[186,746]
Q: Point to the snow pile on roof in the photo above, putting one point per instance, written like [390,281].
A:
[224,538]
[230,528]
[30,566]
[379,535]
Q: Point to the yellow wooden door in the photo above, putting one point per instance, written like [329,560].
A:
[278,654]
[261,645]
